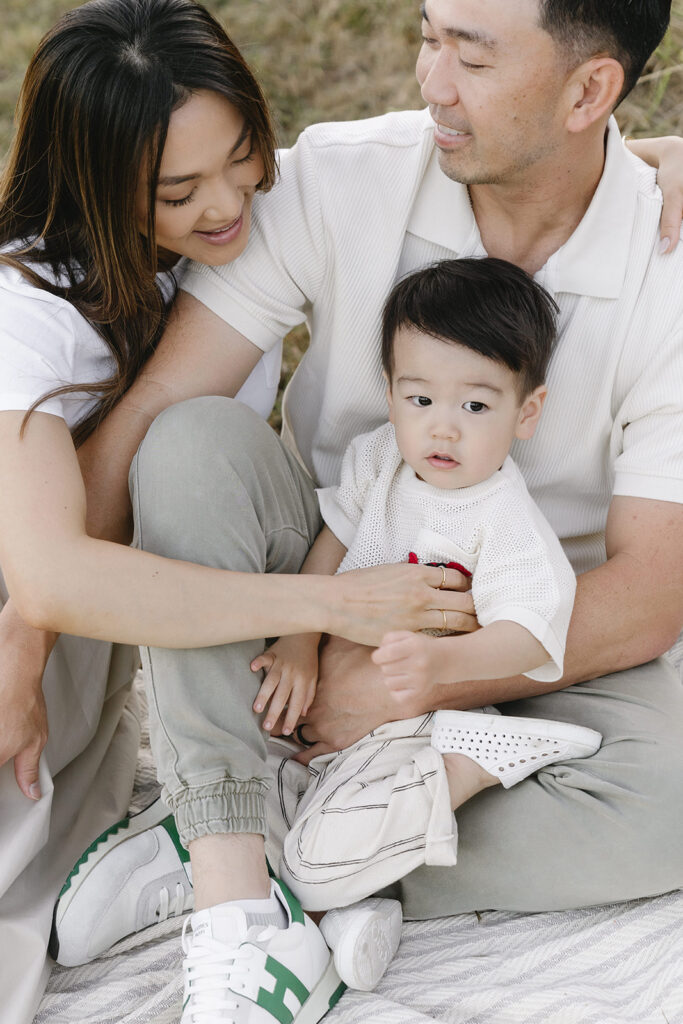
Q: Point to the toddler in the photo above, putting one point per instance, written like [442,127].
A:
[465,348]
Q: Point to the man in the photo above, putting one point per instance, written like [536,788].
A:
[515,159]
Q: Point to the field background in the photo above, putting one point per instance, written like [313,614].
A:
[330,60]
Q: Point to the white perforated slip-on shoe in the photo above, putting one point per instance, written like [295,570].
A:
[364,938]
[511,748]
[135,874]
[255,974]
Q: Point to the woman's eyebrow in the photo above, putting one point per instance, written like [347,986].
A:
[179,179]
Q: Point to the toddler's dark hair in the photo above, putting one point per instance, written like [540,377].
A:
[488,305]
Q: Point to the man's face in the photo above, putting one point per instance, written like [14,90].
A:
[494,83]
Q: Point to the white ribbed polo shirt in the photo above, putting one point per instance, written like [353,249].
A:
[362,203]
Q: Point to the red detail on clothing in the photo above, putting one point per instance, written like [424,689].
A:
[414,560]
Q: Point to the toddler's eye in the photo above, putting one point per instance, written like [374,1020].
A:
[420,400]
[474,406]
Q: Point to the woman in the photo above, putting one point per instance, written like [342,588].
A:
[142,137]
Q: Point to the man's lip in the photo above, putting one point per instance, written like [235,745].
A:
[446,135]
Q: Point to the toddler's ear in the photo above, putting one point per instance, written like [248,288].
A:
[530,413]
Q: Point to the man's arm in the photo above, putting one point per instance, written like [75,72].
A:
[626,612]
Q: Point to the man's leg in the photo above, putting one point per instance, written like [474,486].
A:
[600,830]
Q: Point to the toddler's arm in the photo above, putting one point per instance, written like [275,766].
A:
[413,661]
[291,663]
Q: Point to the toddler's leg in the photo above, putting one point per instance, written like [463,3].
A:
[371,814]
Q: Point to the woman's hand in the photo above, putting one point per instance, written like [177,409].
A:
[23,655]
[372,602]
[666,154]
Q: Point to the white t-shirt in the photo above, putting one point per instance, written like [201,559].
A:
[382,512]
[46,343]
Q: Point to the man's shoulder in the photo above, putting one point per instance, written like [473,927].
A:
[403,128]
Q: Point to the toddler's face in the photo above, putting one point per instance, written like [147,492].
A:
[454,411]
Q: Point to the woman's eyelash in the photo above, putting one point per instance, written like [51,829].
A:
[249,156]
[180,202]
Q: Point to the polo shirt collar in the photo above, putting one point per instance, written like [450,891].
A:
[592,261]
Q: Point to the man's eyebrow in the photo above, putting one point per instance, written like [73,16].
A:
[463,34]
[180,179]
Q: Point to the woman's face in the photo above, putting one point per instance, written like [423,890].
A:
[208,176]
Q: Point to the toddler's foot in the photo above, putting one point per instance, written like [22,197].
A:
[364,938]
[510,749]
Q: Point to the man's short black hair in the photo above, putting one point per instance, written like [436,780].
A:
[628,30]
[487,305]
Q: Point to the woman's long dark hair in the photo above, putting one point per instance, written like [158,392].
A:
[93,113]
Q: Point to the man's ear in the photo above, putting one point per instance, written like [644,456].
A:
[390,401]
[594,88]
[530,413]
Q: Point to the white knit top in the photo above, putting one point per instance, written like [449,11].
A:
[382,512]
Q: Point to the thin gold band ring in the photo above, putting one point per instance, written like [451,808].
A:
[443,577]
[445,623]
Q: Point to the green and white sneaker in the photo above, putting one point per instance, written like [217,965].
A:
[134,875]
[254,974]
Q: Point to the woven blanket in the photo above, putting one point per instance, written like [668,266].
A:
[605,965]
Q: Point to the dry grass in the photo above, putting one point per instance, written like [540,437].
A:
[334,60]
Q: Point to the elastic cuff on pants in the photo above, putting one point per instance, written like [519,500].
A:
[227,805]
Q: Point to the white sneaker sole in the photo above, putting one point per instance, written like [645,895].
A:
[112,837]
[366,947]
[511,748]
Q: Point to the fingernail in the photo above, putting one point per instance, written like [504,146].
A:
[267,726]
[258,707]
[664,245]
[286,732]
[34,791]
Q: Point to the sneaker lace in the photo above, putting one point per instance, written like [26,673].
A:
[171,906]
[213,971]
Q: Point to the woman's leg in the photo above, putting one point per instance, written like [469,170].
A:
[212,483]
[86,776]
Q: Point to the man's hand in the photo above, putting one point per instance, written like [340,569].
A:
[23,654]
[351,699]
[291,665]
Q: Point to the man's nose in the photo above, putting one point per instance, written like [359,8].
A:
[438,79]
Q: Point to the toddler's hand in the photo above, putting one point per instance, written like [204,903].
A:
[291,665]
[409,662]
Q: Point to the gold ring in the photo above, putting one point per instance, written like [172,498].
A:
[443,577]
[445,622]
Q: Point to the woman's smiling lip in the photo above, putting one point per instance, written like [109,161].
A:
[222,235]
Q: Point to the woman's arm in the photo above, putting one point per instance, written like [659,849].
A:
[62,579]
[666,154]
